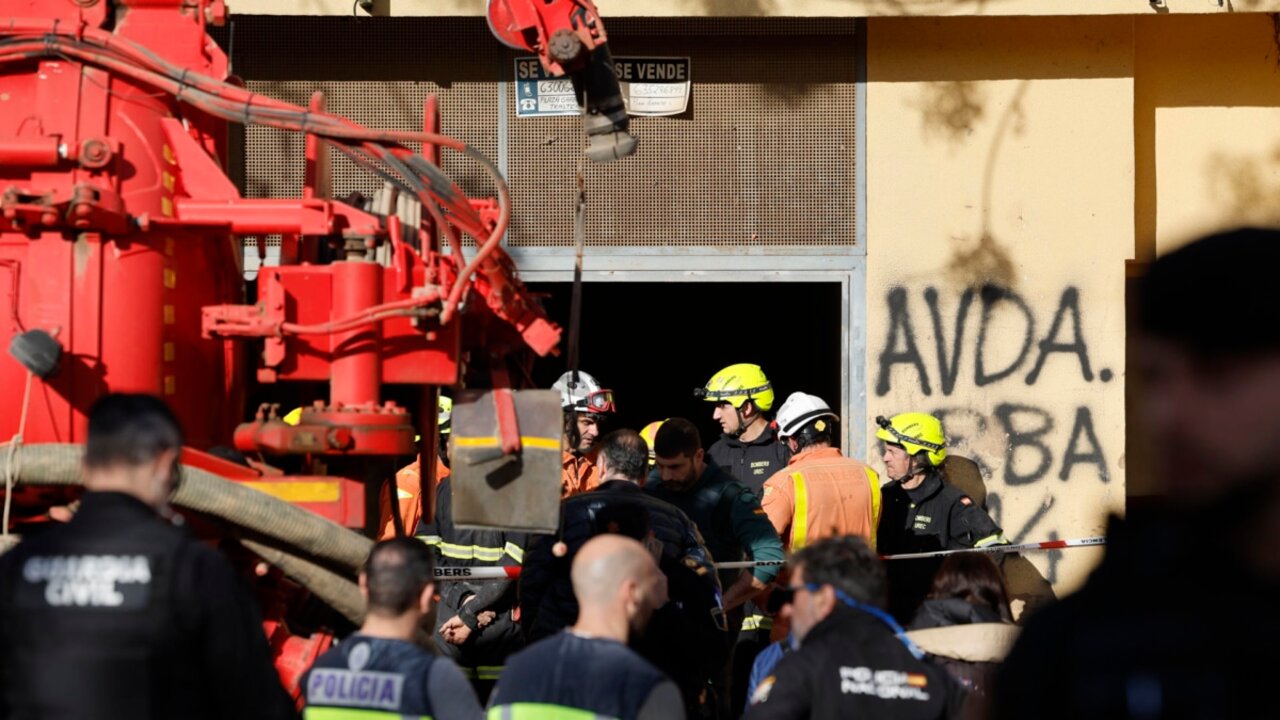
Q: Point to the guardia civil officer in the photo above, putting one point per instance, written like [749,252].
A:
[122,614]
[379,671]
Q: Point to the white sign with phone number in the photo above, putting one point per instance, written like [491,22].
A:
[650,86]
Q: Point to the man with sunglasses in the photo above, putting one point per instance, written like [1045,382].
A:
[121,613]
[587,407]
[853,659]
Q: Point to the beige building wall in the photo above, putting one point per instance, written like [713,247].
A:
[1000,185]
[1207,123]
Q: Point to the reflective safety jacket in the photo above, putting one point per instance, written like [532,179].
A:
[120,614]
[751,463]
[367,678]
[482,655]
[571,677]
[409,494]
[822,494]
[850,665]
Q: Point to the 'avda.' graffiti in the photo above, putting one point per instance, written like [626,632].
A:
[902,347]
[1006,352]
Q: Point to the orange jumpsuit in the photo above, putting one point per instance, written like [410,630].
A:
[409,489]
[578,474]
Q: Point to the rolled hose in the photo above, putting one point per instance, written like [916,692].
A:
[339,592]
[256,512]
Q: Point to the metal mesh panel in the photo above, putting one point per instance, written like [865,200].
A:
[764,156]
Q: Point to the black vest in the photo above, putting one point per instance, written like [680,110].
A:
[371,674]
[88,626]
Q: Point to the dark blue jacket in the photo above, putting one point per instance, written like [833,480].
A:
[567,671]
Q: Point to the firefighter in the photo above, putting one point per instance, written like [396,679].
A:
[586,407]
[587,670]
[409,478]
[121,613]
[380,669]
[475,621]
[749,449]
[649,433]
[821,493]
[853,660]
[921,512]
[687,638]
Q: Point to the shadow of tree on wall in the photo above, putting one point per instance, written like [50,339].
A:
[950,111]
[1248,185]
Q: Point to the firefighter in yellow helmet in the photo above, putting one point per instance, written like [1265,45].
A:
[649,433]
[920,510]
[749,448]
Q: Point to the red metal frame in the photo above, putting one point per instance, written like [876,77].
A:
[111,185]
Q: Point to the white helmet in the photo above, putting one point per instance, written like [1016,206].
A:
[799,410]
[584,396]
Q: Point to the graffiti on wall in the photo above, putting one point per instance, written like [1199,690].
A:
[993,366]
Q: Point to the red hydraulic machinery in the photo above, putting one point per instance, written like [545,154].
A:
[120,270]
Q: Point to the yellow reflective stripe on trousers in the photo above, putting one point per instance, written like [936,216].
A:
[470,552]
[800,518]
[342,713]
[430,540]
[757,622]
[541,711]
[488,672]
[874,479]
[997,539]
[516,552]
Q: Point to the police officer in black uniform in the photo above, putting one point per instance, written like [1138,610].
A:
[920,511]
[122,614]
[854,660]
[379,671]
[475,622]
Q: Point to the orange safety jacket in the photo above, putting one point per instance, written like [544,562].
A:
[409,493]
[579,474]
[822,494]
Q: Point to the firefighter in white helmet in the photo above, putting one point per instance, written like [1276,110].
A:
[820,494]
[587,406]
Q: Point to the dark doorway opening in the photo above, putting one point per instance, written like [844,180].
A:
[653,343]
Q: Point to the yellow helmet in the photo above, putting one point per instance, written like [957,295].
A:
[737,384]
[293,417]
[650,433]
[444,414]
[915,432]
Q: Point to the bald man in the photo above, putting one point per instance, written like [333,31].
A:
[588,668]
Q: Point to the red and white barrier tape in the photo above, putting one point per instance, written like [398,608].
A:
[448,574]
